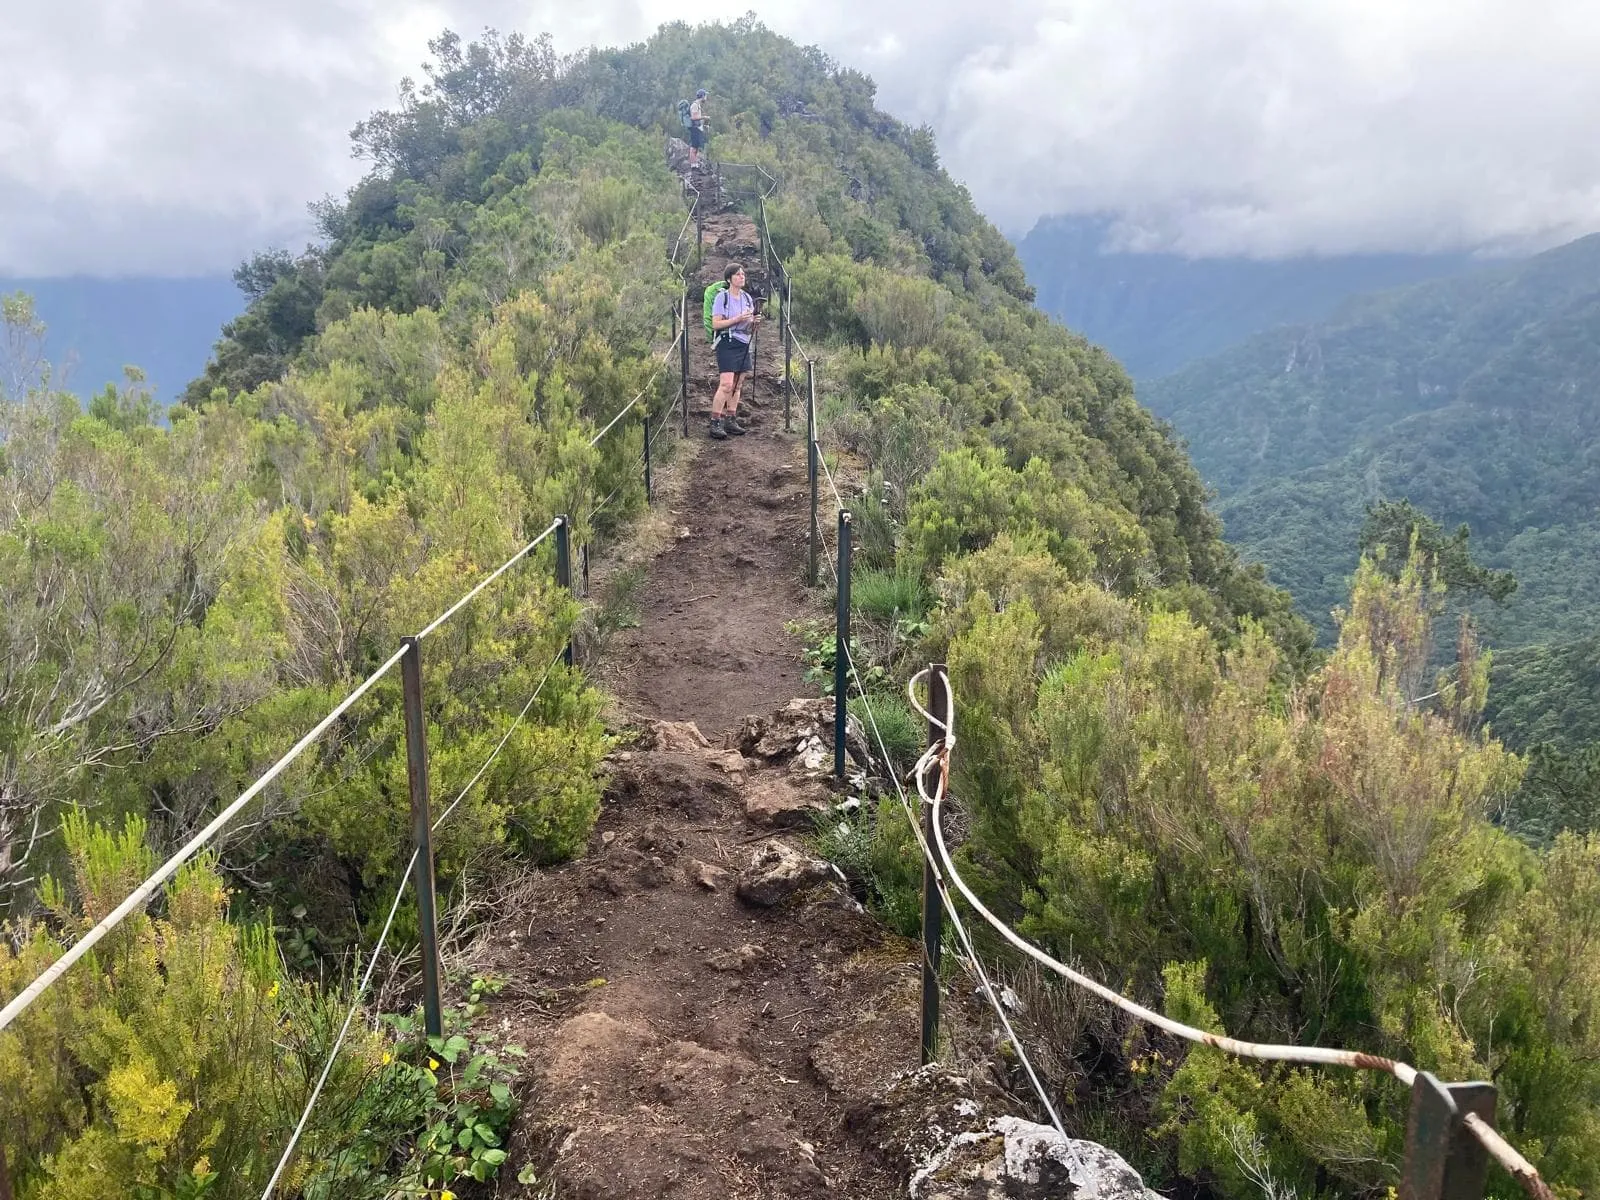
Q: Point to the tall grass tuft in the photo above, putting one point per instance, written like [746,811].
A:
[884,594]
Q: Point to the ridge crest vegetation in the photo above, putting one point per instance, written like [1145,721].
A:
[1163,779]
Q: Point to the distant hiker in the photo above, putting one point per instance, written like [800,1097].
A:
[697,128]
[733,318]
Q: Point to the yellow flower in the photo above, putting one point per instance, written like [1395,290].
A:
[447,1194]
[433,1064]
[272,992]
[387,1058]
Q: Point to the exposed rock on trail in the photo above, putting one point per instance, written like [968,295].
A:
[954,1140]
[671,1015]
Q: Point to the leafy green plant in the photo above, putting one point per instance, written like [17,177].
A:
[873,846]
[818,652]
[462,1086]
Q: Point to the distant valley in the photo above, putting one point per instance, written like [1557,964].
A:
[1476,397]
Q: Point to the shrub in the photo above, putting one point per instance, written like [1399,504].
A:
[185,1006]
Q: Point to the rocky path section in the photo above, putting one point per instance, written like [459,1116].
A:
[703,1005]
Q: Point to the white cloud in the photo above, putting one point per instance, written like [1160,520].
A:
[177,135]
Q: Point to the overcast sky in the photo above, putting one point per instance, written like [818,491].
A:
[175,136]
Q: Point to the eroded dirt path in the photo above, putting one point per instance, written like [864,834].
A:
[703,1005]
[711,644]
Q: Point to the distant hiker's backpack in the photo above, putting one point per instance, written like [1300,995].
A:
[711,299]
[683,114]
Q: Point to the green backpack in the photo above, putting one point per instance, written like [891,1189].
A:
[711,298]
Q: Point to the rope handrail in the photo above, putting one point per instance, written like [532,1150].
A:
[822,461]
[661,362]
[938,754]
[1359,1060]
[141,894]
[683,231]
[383,936]
[972,960]
[483,583]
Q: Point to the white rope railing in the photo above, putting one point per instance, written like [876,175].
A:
[939,754]
[141,894]
[972,961]
[499,571]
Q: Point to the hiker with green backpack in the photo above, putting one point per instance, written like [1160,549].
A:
[692,115]
[730,319]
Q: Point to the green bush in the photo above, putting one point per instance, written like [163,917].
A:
[874,848]
[179,1067]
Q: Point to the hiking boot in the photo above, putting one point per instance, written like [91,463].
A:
[717,432]
[731,425]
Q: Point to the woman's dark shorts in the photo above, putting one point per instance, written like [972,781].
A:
[697,137]
[733,356]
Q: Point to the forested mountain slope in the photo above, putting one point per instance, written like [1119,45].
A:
[1158,780]
[1477,398]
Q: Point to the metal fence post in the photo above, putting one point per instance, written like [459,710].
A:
[683,390]
[841,648]
[811,470]
[422,834]
[1444,1161]
[564,568]
[932,903]
[787,324]
[649,490]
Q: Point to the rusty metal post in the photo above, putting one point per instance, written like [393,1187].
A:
[932,903]
[422,834]
[564,569]
[811,471]
[1444,1161]
[841,648]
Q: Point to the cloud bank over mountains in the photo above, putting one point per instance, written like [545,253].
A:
[176,136]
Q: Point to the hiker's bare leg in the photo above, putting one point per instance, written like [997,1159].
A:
[725,389]
[735,393]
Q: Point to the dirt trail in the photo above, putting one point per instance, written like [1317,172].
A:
[685,1040]
[711,645]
